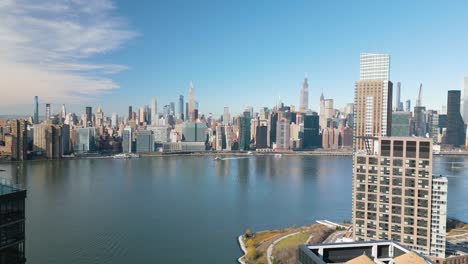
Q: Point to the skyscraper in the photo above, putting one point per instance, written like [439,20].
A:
[419,101]
[36,110]
[172,108]
[191,102]
[187,114]
[374,66]
[130,113]
[181,107]
[154,112]
[141,115]
[48,112]
[398,103]
[408,106]
[304,97]
[99,117]
[20,139]
[89,116]
[226,116]
[244,142]
[372,100]
[63,113]
[115,120]
[464,99]
[420,125]
[455,125]
[283,134]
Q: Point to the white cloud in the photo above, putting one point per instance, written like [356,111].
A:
[46,47]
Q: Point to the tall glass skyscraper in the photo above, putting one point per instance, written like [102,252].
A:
[374,66]
[154,112]
[181,107]
[36,110]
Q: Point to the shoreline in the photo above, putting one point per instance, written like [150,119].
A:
[345,153]
[206,153]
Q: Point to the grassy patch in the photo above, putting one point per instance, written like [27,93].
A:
[260,237]
[293,241]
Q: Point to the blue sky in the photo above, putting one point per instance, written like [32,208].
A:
[237,53]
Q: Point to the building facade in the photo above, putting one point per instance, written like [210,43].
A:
[401,122]
[455,124]
[392,193]
[373,100]
[12,223]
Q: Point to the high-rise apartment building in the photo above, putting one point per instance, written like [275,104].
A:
[89,116]
[226,116]
[19,133]
[393,194]
[283,135]
[455,125]
[191,103]
[130,113]
[48,112]
[304,97]
[420,123]
[12,223]
[181,107]
[115,120]
[220,137]
[372,100]
[464,99]
[141,115]
[432,122]
[244,138]
[154,112]
[36,110]
[408,106]
[439,216]
[398,103]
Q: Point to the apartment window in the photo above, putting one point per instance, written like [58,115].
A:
[398,148]
[411,149]
[398,162]
[385,148]
[424,150]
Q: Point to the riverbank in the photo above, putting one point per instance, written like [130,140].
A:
[204,153]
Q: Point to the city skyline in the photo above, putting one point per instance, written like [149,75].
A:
[136,62]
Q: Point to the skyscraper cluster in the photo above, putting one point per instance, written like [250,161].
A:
[395,195]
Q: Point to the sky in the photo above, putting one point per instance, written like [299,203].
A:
[237,53]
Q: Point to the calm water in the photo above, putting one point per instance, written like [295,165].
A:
[184,209]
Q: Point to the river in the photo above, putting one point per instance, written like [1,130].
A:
[185,209]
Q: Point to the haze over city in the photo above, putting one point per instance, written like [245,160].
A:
[118,53]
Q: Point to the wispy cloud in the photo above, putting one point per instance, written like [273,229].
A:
[47,47]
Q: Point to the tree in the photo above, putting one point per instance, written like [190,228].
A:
[249,243]
[248,233]
[251,253]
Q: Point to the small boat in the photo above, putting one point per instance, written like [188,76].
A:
[278,155]
[126,156]
[250,153]
[218,158]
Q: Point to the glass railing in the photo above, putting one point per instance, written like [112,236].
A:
[8,186]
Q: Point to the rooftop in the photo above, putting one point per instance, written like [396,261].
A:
[371,252]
